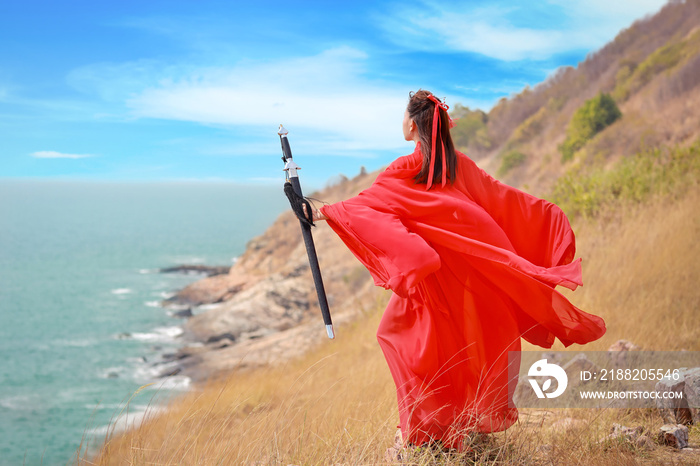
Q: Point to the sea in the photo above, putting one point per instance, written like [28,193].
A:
[81,321]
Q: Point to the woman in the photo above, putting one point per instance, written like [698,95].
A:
[473,265]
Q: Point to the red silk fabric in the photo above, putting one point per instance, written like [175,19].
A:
[473,266]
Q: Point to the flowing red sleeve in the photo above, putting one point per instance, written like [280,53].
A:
[396,258]
[538,230]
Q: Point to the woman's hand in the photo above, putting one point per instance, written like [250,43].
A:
[316,214]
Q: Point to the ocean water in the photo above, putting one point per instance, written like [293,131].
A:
[80,321]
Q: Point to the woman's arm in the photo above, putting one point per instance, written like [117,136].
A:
[397,258]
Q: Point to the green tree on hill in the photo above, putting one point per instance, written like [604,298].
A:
[470,128]
[591,118]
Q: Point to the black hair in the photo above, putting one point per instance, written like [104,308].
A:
[421,110]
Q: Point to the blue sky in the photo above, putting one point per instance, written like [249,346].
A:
[180,90]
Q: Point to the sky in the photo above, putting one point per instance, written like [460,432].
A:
[183,90]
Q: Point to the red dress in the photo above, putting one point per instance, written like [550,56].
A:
[473,266]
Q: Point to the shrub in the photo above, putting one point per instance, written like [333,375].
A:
[591,118]
[586,191]
[662,59]
[470,128]
[530,127]
[511,159]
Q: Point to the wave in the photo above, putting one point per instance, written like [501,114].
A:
[188,260]
[152,304]
[180,310]
[153,375]
[205,307]
[120,291]
[17,402]
[173,382]
[105,406]
[145,372]
[159,334]
[130,418]
[113,372]
[79,343]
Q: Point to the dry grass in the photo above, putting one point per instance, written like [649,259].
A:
[641,273]
[337,405]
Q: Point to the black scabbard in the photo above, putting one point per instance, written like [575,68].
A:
[292,176]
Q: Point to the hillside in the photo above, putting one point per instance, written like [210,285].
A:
[631,191]
[651,69]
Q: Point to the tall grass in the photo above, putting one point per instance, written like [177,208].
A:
[641,270]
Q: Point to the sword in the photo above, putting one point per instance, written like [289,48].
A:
[290,169]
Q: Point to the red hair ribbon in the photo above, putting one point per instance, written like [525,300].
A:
[436,126]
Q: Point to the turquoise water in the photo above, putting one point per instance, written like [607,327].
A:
[80,324]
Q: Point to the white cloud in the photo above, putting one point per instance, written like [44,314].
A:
[50,154]
[624,10]
[596,22]
[328,92]
[491,32]
[484,31]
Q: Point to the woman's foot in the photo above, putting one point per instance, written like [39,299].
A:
[393,453]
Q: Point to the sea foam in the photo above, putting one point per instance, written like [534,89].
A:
[161,334]
[130,418]
[17,402]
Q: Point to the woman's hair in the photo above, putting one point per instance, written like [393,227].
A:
[421,109]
